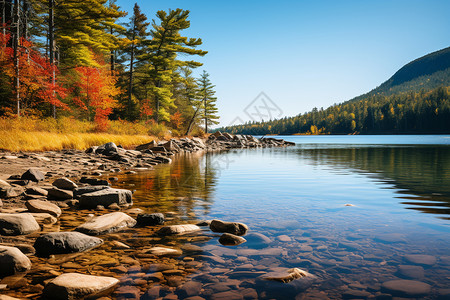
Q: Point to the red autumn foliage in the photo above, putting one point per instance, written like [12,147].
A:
[96,93]
[35,75]
[146,110]
[176,120]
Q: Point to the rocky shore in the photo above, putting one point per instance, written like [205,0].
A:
[55,206]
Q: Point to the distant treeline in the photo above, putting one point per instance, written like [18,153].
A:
[413,112]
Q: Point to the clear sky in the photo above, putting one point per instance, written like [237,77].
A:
[306,53]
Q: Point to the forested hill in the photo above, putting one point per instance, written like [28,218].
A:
[416,99]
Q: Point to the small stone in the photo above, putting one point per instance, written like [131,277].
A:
[229,239]
[163,251]
[406,288]
[120,245]
[228,227]
[39,206]
[108,223]
[65,184]
[59,194]
[33,174]
[286,276]
[13,261]
[70,286]
[114,206]
[150,219]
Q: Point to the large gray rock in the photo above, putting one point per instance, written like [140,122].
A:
[229,227]
[65,184]
[150,219]
[64,242]
[406,288]
[17,224]
[12,261]
[107,149]
[106,197]
[39,206]
[71,286]
[178,229]
[107,223]
[33,174]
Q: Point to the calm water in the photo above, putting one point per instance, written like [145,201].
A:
[298,198]
[399,187]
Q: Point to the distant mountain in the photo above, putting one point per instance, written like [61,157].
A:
[416,99]
[427,72]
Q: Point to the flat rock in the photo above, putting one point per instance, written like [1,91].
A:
[64,242]
[178,229]
[163,251]
[78,286]
[65,184]
[11,191]
[150,219]
[44,218]
[4,183]
[39,206]
[228,227]
[406,288]
[108,223]
[413,272]
[5,297]
[284,238]
[420,259]
[106,197]
[34,190]
[88,189]
[33,174]
[17,224]
[229,239]
[12,261]
[59,194]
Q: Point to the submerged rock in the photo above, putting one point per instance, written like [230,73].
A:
[229,227]
[421,259]
[64,242]
[17,224]
[406,288]
[78,286]
[108,223]
[286,276]
[178,229]
[229,239]
[12,261]
[163,251]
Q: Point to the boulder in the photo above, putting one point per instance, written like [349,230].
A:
[107,149]
[106,197]
[17,224]
[12,261]
[108,223]
[88,189]
[39,206]
[228,227]
[11,191]
[229,239]
[147,146]
[33,174]
[178,229]
[59,194]
[163,251]
[64,242]
[65,184]
[406,288]
[150,219]
[70,286]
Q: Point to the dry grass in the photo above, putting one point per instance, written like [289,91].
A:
[28,134]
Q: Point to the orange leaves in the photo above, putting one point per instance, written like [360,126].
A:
[97,89]
[176,120]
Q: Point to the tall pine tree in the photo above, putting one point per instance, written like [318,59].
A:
[209,109]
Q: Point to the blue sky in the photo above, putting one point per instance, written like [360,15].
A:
[305,54]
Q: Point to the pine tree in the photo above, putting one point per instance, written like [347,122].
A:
[166,44]
[137,34]
[209,109]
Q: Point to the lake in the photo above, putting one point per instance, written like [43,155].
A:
[355,211]
[366,216]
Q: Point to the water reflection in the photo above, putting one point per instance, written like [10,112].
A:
[423,171]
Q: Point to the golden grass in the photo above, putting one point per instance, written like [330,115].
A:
[45,141]
[31,134]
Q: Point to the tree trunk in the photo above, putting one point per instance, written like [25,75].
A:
[51,38]
[191,122]
[206,117]
[130,84]
[16,54]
